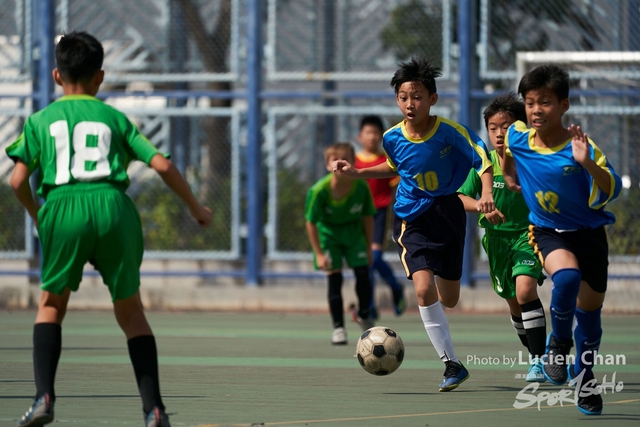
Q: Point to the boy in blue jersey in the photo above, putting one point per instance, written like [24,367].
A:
[432,156]
[566,181]
[82,148]
[514,268]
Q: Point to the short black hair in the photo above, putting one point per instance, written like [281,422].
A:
[548,75]
[340,148]
[507,103]
[373,121]
[417,69]
[79,57]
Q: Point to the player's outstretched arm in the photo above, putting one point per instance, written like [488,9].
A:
[580,151]
[485,203]
[469,203]
[379,171]
[174,180]
[509,173]
[22,189]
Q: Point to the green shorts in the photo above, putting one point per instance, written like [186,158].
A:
[343,242]
[510,255]
[90,222]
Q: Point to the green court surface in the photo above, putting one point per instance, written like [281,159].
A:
[273,369]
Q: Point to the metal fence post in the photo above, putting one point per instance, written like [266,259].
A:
[255,224]
[45,35]
[466,29]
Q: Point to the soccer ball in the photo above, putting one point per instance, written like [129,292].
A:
[380,350]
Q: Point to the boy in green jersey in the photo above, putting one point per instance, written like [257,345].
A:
[339,214]
[82,148]
[515,270]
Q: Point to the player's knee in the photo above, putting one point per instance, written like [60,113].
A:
[567,281]
[526,289]
[449,301]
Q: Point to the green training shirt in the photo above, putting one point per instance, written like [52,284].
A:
[329,214]
[79,138]
[510,203]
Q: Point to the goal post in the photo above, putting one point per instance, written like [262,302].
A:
[627,59]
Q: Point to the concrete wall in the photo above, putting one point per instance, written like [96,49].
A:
[226,293]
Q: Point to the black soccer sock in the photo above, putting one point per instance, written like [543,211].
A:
[144,357]
[535,326]
[363,291]
[47,345]
[335,299]
[519,327]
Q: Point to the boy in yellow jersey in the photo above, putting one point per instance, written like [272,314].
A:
[82,148]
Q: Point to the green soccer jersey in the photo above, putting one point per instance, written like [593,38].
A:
[510,203]
[329,214]
[79,138]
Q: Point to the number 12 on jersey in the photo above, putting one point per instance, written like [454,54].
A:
[91,143]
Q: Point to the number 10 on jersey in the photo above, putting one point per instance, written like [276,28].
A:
[427,181]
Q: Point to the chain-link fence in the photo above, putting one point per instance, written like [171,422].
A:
[178,68]
[346,40]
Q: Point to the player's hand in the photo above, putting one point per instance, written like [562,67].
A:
[344,167]
[579,144]
[322,262]
[203,215]
[495,217]
[516,188]
[485,203]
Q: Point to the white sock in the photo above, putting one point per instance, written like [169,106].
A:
[437,327]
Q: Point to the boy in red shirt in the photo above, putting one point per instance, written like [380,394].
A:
[370,137]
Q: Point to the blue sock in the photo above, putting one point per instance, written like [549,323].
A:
[372,304]
[566,284]
[385,271]
[588,333]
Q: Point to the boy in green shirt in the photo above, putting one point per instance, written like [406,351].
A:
[339,214]
[82,148]
[515,270]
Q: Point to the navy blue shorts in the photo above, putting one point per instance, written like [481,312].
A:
[589,246]
[380,226]
[434,240]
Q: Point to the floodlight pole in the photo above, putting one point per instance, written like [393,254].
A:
[254,152]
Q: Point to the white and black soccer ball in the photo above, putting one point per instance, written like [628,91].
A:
[380,350]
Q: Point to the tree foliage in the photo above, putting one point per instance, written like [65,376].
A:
[415,28]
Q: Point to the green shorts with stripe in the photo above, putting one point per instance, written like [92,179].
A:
[510,255]
[346,242]
[90,222]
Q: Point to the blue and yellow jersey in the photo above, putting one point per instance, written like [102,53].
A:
[560,193]
[433,166]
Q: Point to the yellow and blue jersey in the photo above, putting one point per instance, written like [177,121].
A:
[559,192]
[433,166]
